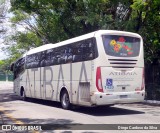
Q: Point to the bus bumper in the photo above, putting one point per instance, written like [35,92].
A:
[117,97]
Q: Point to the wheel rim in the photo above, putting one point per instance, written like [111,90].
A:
[65,100]
[23,95]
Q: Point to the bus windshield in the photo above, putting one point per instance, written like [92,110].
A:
[121,46]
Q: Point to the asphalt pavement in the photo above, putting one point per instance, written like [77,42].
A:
[7,95]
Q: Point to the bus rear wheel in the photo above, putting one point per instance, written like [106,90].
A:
[65,102]
[23,95]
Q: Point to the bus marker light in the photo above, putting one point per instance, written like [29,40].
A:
[143,85]
[108,94]
[99,80]
[137,89]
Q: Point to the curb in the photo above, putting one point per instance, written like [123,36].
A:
[152,102]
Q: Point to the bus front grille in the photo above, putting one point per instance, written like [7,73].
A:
[122,63]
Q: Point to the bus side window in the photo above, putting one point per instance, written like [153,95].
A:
[15,70]
[91,51]
[69,55]
[43,59]
[18,67]
[49,57]
[63,54]
[32,61]
[58,55]
[21,65]
[76,50]
[29,61]
[38,59]
[84,50]
[55,57]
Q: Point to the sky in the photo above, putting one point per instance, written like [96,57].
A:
[6,24]
[10,31]
[2,54]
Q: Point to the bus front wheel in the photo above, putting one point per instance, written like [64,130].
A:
[65,102]
[23,95]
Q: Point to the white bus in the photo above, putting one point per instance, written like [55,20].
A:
[104,67]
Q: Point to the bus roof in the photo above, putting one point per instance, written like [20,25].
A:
[75,39]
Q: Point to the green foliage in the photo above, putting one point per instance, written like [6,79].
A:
[152,94]
[24,42]
[4,66]
[19,16]
[147,17]
[62,19]
[51,21]
[3,11]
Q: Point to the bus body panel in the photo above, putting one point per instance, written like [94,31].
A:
[47,82]
[16,87]
[117,97]
[121,83]
[120,78]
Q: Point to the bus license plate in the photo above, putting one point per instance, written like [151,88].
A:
[123,96]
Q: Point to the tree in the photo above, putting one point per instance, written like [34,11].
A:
[4,66]
[53,21]
[146,18]
[62,19]
[3,11]
[20,43]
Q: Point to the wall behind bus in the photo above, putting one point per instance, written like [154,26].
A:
[5,77]
[152,81]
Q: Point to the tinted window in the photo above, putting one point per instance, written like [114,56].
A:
[19,67]
[121,46]
[84,50]
[74,52]
[33,61]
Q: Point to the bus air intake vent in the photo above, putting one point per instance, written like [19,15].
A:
[122,63]
[84,88]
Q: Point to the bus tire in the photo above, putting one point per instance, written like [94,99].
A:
[23,95]
[65,102]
